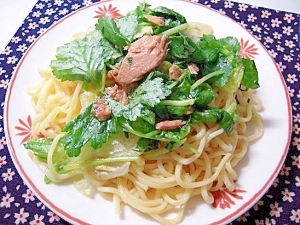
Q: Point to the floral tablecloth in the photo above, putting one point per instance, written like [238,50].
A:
[277,30]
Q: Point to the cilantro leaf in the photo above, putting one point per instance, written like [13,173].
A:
[181,92]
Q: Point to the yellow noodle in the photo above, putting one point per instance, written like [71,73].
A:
[161,185]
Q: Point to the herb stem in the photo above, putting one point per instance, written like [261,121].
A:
[103,81]
[178,102]
[206,77]
[139,134]
[173,84]
[175,30]
[154,153]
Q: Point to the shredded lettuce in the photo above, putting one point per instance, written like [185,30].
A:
[116,150]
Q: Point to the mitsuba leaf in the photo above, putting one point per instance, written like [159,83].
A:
[223,64]
[172,18]
[150,92]
[106,128]
[141,9]
[145,144]
[83,59]
[203,94]
[234,79]
[250,77]
[209,49]
[86,127]
[111,32]
[206,51]
[168,13]
[128,26]
[211,115]
[228,46]
[162,112]
[180,92]
[142,125]
[182,49]
[40,147]
[175,136]
[228,61]
[177,111]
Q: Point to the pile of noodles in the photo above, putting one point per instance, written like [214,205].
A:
[162,184]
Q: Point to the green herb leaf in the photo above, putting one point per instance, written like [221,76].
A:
[222,117]
[150,92]
[83,59]
[250,77]
[172,18]
[203,94]
[128,26]
[168,13]
[86,127]
[181,92]
[227,61]
[145,144]
[209,49]
[111,32]
[39,147]
[182,49]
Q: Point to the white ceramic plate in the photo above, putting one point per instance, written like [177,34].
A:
[265,157]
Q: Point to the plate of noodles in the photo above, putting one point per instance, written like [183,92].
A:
[151,112]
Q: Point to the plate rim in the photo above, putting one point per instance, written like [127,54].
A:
[243,208]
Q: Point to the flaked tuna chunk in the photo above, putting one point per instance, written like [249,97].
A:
[144,55]
[169,124]
[111,74]
[175,72]
[117,94]
[157,20]
[193,68]
[101,110]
